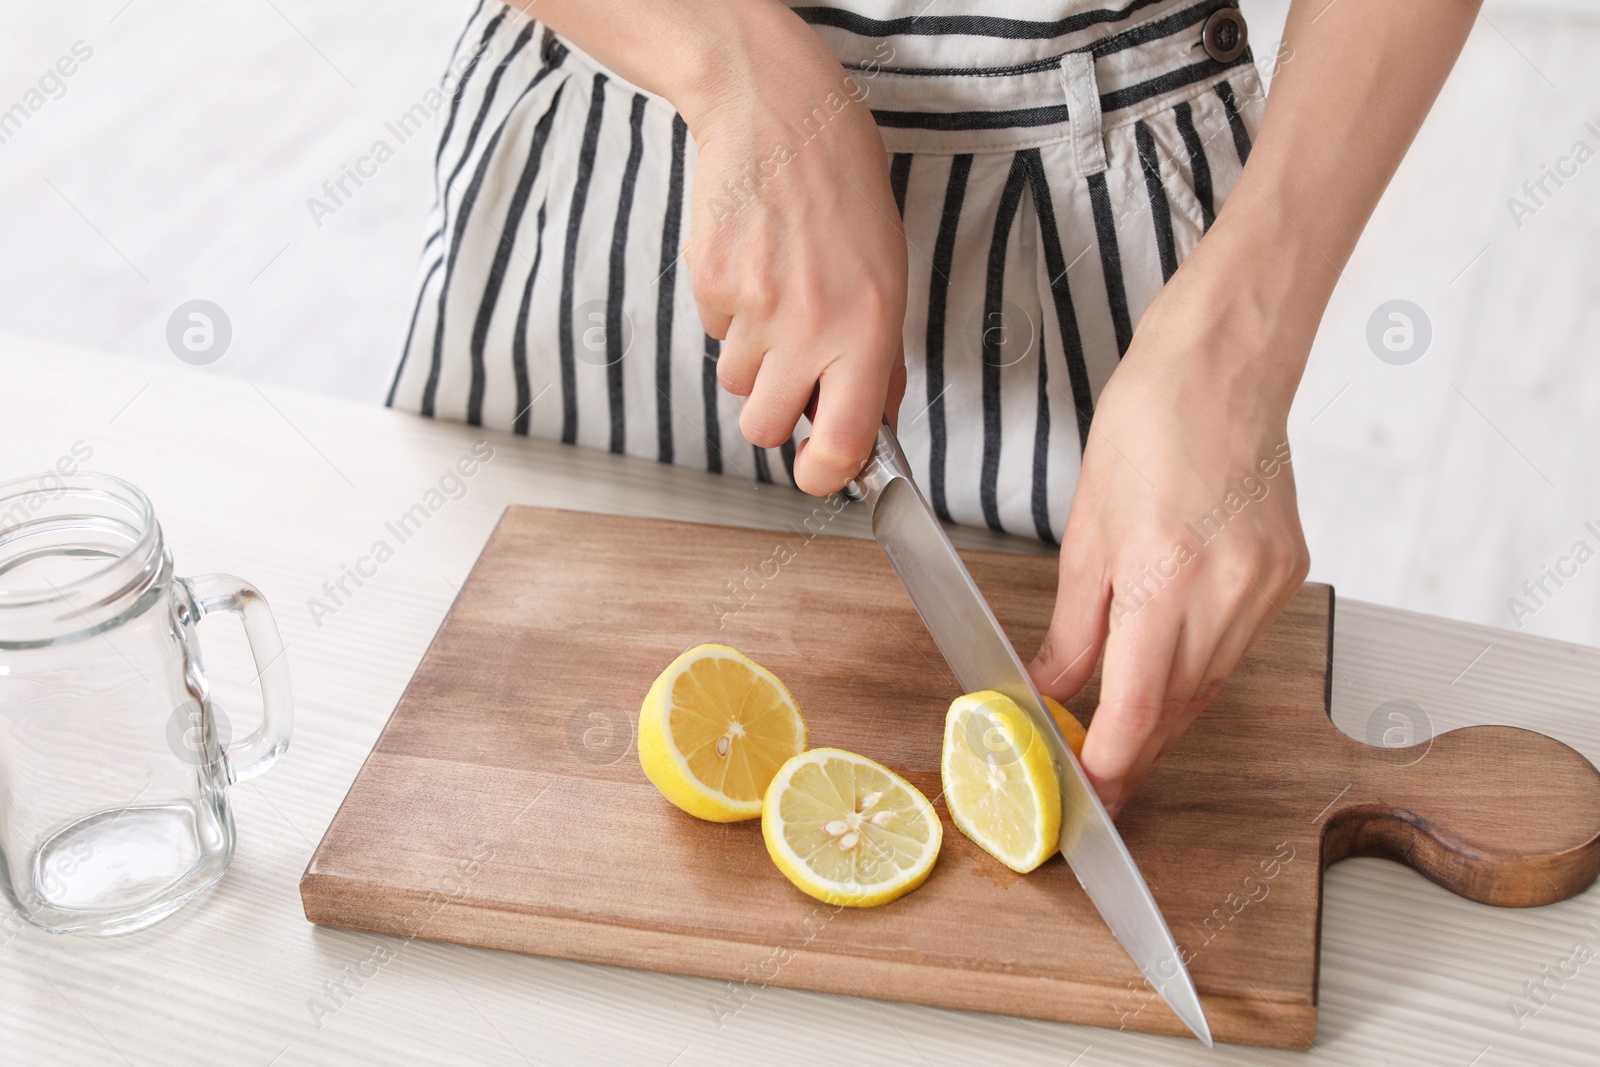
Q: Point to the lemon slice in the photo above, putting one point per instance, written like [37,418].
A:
[998,781]
[847,830]
[715,727]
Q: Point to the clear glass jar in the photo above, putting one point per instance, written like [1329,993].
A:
[113,777]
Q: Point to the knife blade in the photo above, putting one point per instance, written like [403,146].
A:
[981,657]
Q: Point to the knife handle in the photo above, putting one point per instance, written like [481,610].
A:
[886,464]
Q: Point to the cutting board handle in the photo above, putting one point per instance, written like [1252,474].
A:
[1499,815]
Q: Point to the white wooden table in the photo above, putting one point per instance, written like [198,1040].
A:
[284,489]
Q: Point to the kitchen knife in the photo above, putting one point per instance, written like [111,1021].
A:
[982,658]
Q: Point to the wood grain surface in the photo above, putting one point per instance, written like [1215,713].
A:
[503,805]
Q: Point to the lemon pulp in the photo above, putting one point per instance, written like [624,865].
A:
[713,731]
[847,830]
[999,782]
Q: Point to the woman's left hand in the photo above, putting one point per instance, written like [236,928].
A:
[1192,424]
[1184,541]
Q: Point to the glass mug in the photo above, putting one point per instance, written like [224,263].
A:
[113,771]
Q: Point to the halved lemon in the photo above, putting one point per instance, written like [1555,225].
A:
[999,784]
[847,830]
[714,729]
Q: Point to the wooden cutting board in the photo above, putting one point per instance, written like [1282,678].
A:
[504,805]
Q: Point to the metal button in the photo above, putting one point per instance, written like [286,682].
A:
[1225,35]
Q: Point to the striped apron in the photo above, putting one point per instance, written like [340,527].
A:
[1051,176]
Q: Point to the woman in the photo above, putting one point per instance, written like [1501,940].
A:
[1066,246]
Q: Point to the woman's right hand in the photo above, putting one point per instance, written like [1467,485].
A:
[795,250]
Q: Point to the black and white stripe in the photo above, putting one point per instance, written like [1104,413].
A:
[667,290]
[553,299]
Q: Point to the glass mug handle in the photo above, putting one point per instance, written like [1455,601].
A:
[212,593]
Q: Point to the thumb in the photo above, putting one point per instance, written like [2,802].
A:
[1077,631]
[850,404]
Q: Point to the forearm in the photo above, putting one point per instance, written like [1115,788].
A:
[706,57]
[1356,79]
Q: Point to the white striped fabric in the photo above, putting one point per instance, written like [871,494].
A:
[553,301]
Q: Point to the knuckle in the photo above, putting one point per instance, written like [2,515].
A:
[840,449]
[1242,569]
[881,305]
[1285,565]
[758,292]
[1264,570]
[736,376]
[1206,692]
[763,427]
[1302,563]
[1140,718]
[807,296]
[871,306]
[1062,663]
[1050,648]
[712,280]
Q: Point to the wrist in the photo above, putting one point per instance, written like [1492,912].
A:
[1251,297]
[745,62]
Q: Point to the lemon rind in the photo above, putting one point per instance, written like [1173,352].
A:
[681,786]
[1040,779]
[840,893]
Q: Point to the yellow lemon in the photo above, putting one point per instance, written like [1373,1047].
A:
[714,729]
[998,781]
[847,830]
[1071,728]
